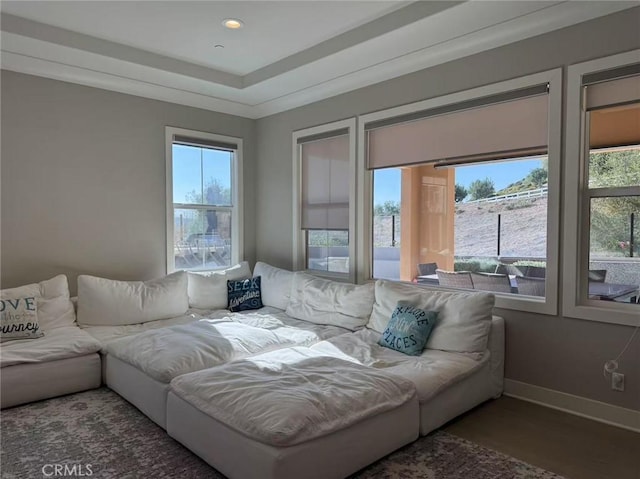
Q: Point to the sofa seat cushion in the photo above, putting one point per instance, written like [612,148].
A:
[464,319]
[323,301]
[291,396]
[430,372]
[168,352]
[58,343]
[104,334]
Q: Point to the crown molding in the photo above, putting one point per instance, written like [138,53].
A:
[370,55]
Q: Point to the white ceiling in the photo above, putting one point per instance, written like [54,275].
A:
[289,53]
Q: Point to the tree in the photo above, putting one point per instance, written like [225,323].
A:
[538,177]
[611,216]
[461,193]
[388,208]
[214,194]
[479,189]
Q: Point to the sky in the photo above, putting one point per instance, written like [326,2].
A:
[386,183]
[188,172]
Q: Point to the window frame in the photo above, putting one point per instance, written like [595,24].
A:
[365,183]
[299,235]
[576,303]
[236,208]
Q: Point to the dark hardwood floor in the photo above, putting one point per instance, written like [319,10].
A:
[572,446]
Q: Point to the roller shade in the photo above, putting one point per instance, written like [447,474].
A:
[511,128]
[614,111]
[614,92]
[201,142]
[325,183]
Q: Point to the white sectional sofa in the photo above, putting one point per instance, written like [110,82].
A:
[63,361]
[172,349]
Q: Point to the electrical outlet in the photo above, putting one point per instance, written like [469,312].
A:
[617,381]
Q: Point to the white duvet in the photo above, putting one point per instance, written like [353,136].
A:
[431,372]
[293,395]
[165,353]
[58,343]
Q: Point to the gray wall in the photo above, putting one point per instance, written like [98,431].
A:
[554,352]
[83,179]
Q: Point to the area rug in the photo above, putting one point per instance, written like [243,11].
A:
[98,434]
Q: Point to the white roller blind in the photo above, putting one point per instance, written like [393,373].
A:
[508,129]
[613,92]
[325,183]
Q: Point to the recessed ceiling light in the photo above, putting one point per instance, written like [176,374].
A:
[232,23]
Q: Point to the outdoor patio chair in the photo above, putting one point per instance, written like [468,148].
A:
[530,286]
[536,272]
[515,270]
[491,282]
[597,275]
[425,269]
[461,279]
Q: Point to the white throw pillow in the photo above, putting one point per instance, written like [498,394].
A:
[209,290]
[106,302]
[323,301]
[55,309]
[464,319]
[276,285]
[19,313]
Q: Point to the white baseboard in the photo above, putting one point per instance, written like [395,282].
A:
[577,405]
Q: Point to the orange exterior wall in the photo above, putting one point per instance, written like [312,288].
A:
[427,216]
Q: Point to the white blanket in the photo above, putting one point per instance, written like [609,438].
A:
[166,353]
[431,372]
[293,395]
[58,343]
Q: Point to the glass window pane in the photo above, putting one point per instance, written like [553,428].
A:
[202,239]
[386,223]
[614,167]
[488,218]
[187,174]
[328,251]
[216,166]
[614,248]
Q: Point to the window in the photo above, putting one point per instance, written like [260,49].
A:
[463,192]
[203,206]
[603,168]
[324,172]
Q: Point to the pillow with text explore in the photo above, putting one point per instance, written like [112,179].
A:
[19,314]
[244,294]
[408,329]
[464,319]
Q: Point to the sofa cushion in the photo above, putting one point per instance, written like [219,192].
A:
[323,301]
[464,319]
[55,309]
[59,343]
[209,290]
[106,302]
[276,285]
[19,316]
[408,330]
[244,294]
